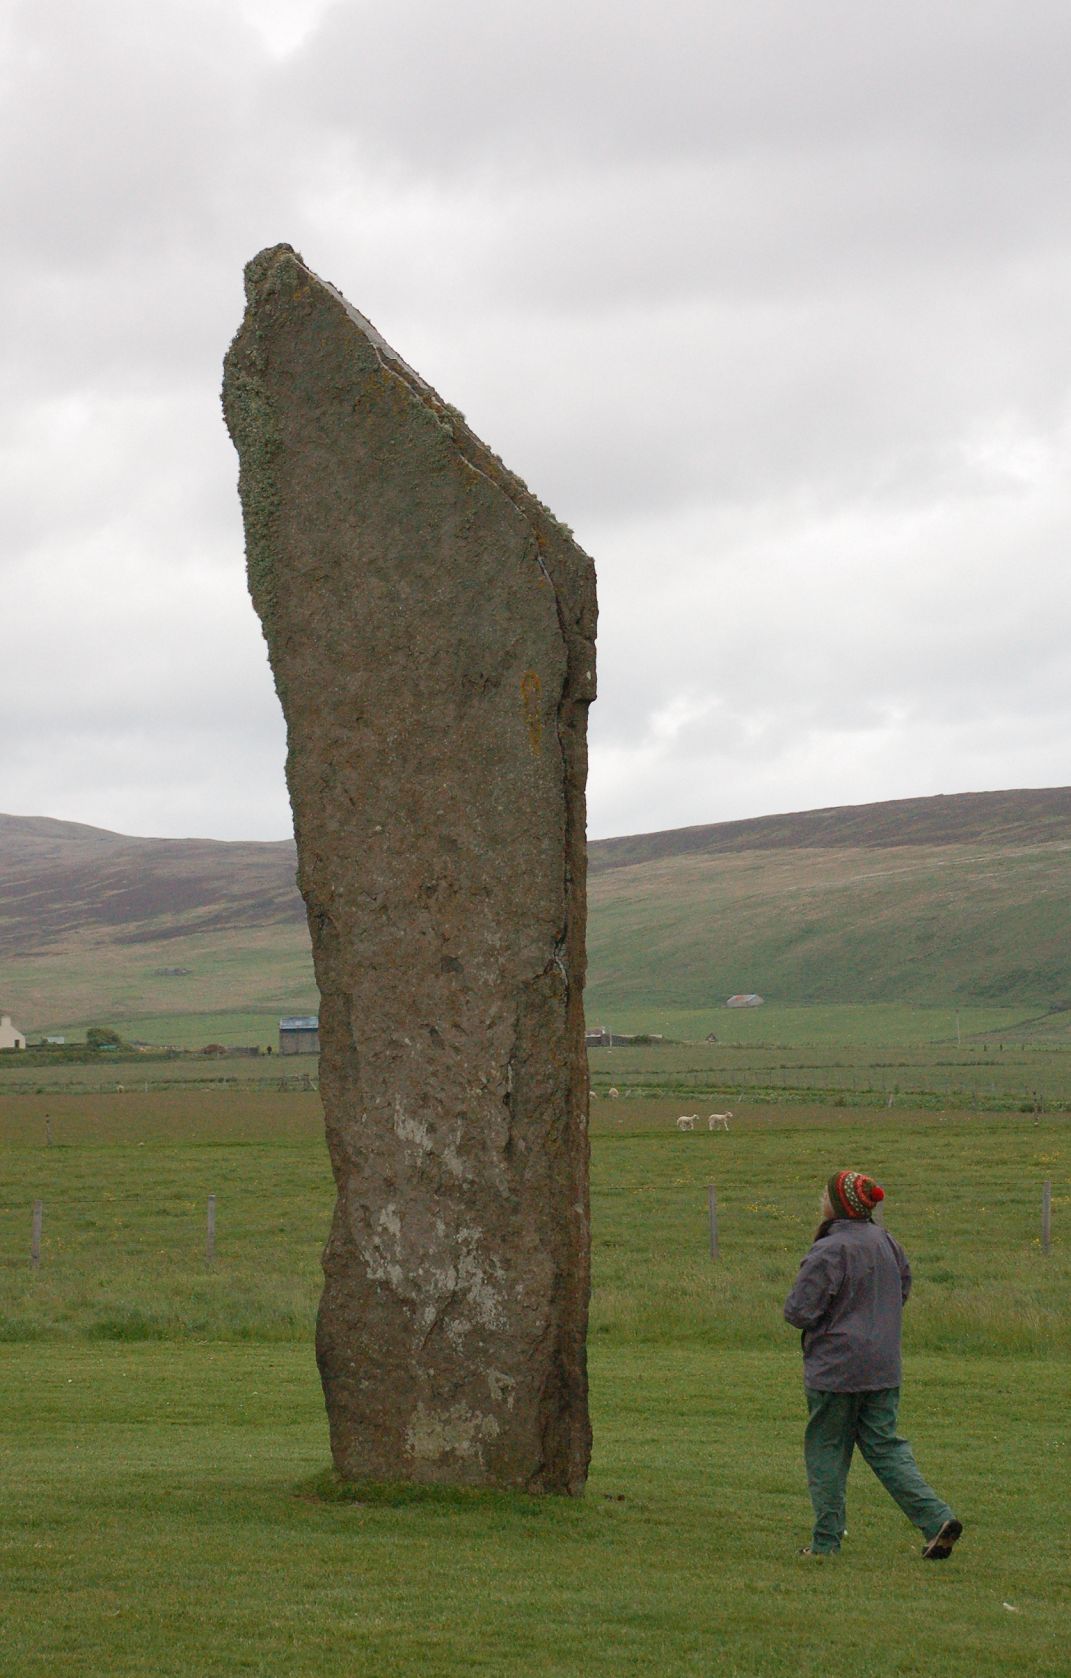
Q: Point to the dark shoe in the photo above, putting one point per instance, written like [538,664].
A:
[939,1547]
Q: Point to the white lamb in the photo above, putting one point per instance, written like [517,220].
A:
[687,1121]
[719,1121]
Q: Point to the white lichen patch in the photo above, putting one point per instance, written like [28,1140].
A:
[454,1163]
[382,1254]
[390,1221]
[458,1432]
[418,1133]
[477,1281]
[381,1269]
[503,1388]
[411,1130]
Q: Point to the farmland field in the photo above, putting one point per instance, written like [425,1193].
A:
[973,1059]
[164,1503]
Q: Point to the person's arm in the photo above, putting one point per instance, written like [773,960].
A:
[820,1276]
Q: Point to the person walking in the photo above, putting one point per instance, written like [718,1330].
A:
[848,1300]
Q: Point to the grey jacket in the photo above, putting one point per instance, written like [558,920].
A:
[848,1300]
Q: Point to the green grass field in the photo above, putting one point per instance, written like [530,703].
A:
[203,988]
[134,1073]
[164,1506]
[193,1031]
[991,1078]
[974,923]
[830,1025]
[974,1059]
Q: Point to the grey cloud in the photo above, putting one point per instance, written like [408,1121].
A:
[768,301]
[129,114]
[482,88]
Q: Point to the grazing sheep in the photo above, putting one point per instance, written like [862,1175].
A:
[612,1093]
[687,1121]
[719,1121]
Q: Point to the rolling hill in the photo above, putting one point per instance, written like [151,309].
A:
[960,899]
[99,927]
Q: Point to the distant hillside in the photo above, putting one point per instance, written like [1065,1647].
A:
[1035,816]
[97,926]
[935,900]
[939,900]
[60,879]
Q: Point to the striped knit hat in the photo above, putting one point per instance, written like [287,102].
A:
[852,1195]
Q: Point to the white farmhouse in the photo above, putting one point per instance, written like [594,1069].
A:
[9,1037]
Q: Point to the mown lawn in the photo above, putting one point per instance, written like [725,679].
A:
[158,1517]
[164,1507]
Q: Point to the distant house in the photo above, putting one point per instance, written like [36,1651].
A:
[599,1038]
[10,1038]
[299,1034]
[746,999]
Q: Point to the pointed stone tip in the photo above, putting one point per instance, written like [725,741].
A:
[260,266]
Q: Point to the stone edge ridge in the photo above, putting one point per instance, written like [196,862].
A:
[476,452]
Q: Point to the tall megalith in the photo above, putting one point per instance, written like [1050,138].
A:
[431,630]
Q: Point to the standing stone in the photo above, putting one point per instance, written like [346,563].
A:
[431,630]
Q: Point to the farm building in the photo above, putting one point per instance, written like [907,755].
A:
[746,999]
[299,1034]
[10,1038]
[597,1038]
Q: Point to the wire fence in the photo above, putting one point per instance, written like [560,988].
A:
[25,1224]
[298,1082]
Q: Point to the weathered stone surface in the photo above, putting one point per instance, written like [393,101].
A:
[431,630]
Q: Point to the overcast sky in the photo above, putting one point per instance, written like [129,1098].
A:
[768,299]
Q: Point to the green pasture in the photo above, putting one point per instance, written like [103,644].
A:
[165,1506]
[971,923]
[191,989]
[160,1518]
[980,1059]
[986,1076]
[125,1182]
[247,1028]
[193,1031]
[135,1072]
[827,1025]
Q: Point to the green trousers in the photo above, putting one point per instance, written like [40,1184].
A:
[836,1424]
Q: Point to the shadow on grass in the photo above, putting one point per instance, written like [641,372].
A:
[328,1487]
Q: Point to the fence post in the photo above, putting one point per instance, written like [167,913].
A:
[210,1234]
[35,1234]
[712,1209]
[1046,1216]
